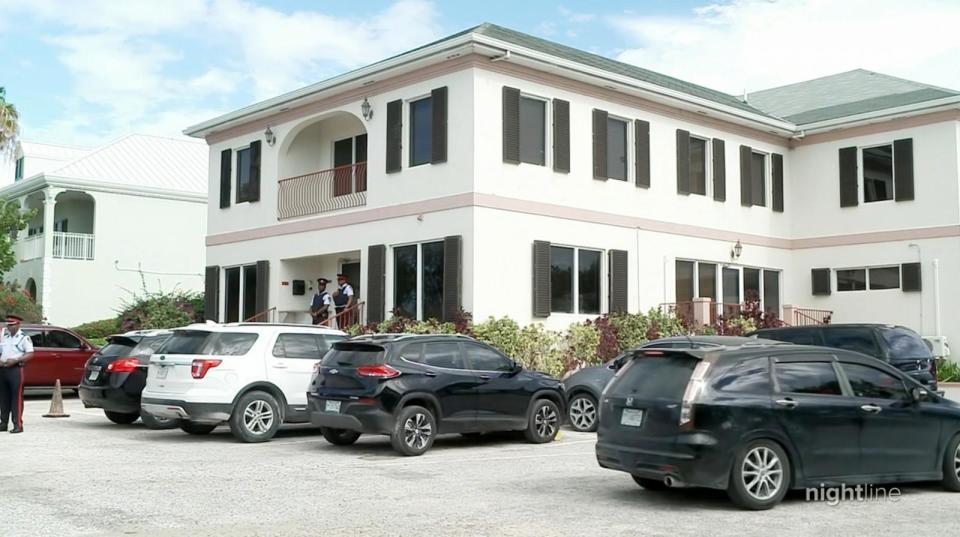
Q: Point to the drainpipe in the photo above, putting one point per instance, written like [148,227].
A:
[936,297]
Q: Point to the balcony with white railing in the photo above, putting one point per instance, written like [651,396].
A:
[30,248]
[73,245]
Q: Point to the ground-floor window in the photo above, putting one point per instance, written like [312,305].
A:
[736,284]
[240,293]
[873,278]
[418,280]
[575,280]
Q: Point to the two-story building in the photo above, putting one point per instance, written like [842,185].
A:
[108,223]
[508,175]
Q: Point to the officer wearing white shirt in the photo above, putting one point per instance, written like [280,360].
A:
[16,348]
[343,301]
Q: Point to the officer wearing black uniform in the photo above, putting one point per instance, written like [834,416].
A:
[16,348]
[320,306]
[342,301]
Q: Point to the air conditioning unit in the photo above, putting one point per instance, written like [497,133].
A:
[938,345]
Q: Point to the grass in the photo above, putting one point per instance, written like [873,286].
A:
[948,371]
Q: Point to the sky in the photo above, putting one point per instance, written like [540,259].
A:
[84,72]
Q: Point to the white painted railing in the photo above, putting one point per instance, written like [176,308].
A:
[31,247]
[72,245]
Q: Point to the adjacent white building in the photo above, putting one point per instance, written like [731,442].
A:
[109,222]
[509,175]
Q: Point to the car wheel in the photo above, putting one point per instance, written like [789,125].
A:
[121,418]
[192,427]
[951,465]
[339,437]
[543,424]
[760,476]
[582,413]
[255,418]
[157,423]
[414,431]
[650,484]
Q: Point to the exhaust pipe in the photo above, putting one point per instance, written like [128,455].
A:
[672,482]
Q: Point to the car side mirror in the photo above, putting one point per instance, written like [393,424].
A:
[919,395]
[616,364]
[516,367]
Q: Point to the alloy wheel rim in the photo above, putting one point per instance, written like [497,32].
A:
[417,431]
[545,421]
[583,413]
[956,461]
[762,473]
[258,417]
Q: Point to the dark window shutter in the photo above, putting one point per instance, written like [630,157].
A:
[719,170]
[618,281]
[821,281]
[376,293]
[642,139]
[254,171]
[226,157]
[683,161]
[211,294]
[541,279]
[511,125]
[903,169]
[600,144]
[438,152]
[777,165]
[561,136]
[262,297]
[452,277]
[848,177]
[910,275]
[394,135]
[746,181]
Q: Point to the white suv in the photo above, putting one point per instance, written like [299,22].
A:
[252,375]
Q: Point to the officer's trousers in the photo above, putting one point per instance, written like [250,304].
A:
[11,396]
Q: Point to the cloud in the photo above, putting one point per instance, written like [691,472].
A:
[758,44]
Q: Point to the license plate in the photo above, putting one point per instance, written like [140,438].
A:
[162,372]
[332,406]
[631,417]
[94,375]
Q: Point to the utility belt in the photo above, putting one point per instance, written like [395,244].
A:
[18,364]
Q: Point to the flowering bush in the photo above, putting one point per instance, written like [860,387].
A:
[99,329]
[162,310]
[17,301]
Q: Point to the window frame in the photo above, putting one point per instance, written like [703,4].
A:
[628,143]
[391,269]
[277,341]
[464,349]
[411,130]
[236,173]
[767,181]
[223,289]
[848,386]
[547,131]
[718,281]
[18,169]
[866,270]
[707,165]
[789,359]
[862,186]
[575,290]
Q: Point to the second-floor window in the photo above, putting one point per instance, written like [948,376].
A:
[18,172]
[698,166]
[243,175]
[617,148]
[421,131]
[878,173]
[758,175]
[533,130]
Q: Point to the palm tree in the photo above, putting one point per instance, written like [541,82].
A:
[9,125]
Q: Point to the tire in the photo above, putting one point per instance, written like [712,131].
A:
[414,432]
[155,423]
[192,427]
[650,484]
[121,418]
[543,423]
[755,491]
[582,413]
[255,418]
[339,437]
[951,465]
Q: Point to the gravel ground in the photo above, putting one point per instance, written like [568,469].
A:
[83,475]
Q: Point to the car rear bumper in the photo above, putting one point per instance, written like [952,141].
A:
[692,465]
[353,416]
[183,410]
[109,398]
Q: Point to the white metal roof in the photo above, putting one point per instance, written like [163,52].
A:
[61,153]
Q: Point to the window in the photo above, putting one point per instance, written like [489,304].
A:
[616,149]
[853,339]
[566,263]
[485,359]
[120,348]
[884,278]
[771,291]
[62,340]
[751,284]
[878,173]
[561,279]
[418,280]
[18,171]
[698,166]
[707,280]
[243,175]
[186,342]
[758,176]
[36,337]
[684,281]
[533,131]
[797,336]
[750,376]
[230,344]
[412,353]
[240,293]
[149,345]
[851,280]
[297,346]
[815,378]
[698,279]
[588,279]
[904,343]
[874,384]
[249,306]
[421,131]
[731,286]
[446,355]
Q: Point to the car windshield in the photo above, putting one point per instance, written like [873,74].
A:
[904,343]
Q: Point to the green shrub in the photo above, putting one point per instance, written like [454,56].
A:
[533,346]
[97,341]
[17,301]
[947,371]
[99,329]
[162,310]
[580,345]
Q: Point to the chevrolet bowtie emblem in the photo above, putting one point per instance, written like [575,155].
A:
[334,371]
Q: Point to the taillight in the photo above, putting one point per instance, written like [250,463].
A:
[380,371]
[123,365]
[694,387]
[200,367]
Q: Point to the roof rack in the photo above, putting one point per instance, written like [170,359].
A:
[286,325]
[401,335]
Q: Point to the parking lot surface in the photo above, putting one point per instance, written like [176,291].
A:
[83,475]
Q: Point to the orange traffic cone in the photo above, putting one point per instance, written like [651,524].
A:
[56,404]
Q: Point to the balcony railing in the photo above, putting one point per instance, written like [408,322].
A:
[323,191]
[30,247]
[72,245]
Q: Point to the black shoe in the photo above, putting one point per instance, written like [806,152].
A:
[3,427]
[16,430]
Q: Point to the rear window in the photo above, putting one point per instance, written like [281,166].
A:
[797,337]
[149,345]
[658,377]
[111,350]
[853,339]
[216,344]
[904,343]
[186,342]
[353,355]
[815,378]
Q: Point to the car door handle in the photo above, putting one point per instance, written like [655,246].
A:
[872,409]
[787,403]
[279,366]
[484,377]
[429,374]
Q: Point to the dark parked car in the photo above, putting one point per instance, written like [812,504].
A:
[58,354]
[759,420]
[585,386]
[899,346]
[115,376]
[413,388]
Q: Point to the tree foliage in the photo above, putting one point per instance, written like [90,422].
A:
[12,219]
[9,125]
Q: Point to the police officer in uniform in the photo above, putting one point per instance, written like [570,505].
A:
[342,300]
[16,348]
[320,306]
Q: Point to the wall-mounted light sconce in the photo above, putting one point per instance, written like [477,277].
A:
[366,109]
[270,136]
[736,251]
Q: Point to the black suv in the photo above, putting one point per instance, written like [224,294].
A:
[414,387]
[899,346]
[759,420]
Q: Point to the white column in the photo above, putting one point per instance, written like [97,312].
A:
[46,293]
